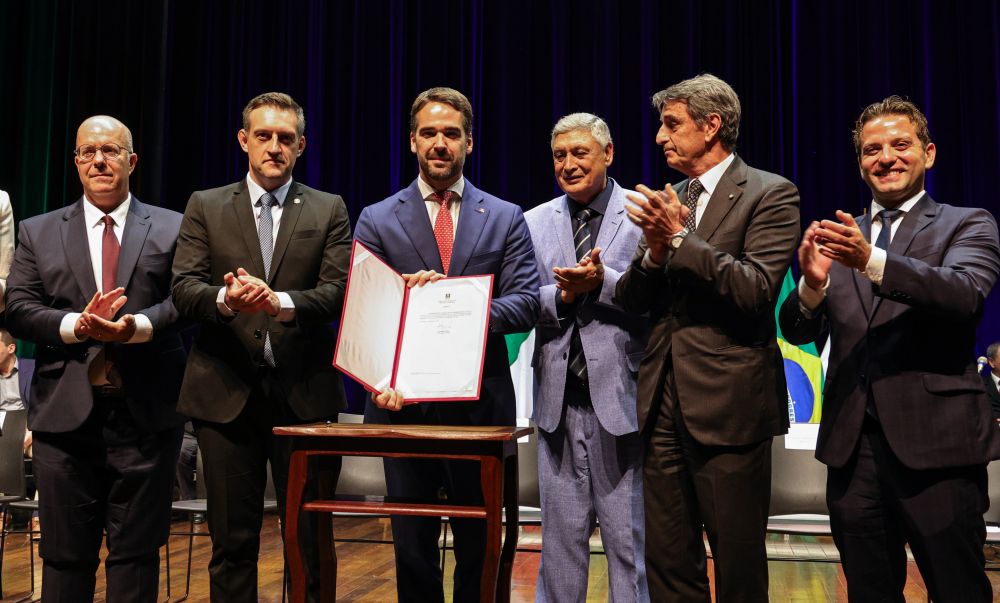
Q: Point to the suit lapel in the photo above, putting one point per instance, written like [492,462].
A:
[243,213]
[612,221]
[726,195]
[133,238]
[562,224]
[471,221]
[290,212]
[863,286]
[74,238]
[411,212]
[918,218]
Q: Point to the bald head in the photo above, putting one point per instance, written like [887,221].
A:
[104,160]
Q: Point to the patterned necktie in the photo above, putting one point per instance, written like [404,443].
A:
[583,245]
[444,228]
[110,248]
[886,216]
[265,232]
[694,191]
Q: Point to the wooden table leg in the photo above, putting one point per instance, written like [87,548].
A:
[510,502]
[297,470]
[491,478]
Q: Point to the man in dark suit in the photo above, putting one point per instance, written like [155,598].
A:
[442,225]
[261,264]
[90,285]
[711,389]
[907,430]
[991,378]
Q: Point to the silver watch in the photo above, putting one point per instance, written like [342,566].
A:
[678,238]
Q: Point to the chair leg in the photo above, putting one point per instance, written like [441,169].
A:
[168,566]
[444,542]
[3,544]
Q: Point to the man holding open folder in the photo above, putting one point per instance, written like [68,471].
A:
[441,225]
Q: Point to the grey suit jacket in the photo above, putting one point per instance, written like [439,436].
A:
[712,308]
[613,340]
[52,275]
[310,262]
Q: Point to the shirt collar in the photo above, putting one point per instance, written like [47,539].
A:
[905,207]
[257,191]
[599,204]
[94,214]
[710,179]
[427,190]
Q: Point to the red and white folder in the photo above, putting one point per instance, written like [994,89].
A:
[427,342]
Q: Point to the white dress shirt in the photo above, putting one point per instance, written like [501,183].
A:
[286,313]
[94,219]
[433,206]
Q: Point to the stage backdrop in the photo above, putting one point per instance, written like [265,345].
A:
[179,72]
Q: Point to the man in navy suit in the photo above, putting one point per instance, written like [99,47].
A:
[588,353]
[442,225]
[992,377]
[90,285]
[907,430]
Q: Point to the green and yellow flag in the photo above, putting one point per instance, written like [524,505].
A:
[803,370]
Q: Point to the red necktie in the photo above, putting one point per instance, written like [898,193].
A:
[109,255]
[444,231]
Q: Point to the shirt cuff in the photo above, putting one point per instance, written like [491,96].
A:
[287,311]
[67,326]
[220,303]
[648,263]
[809,298]
[3,294]
[875,268]
[143,329]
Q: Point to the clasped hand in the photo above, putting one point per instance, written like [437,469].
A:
[826,242]
[389,398]
[587,275]
[660,215]
[95,320]
[247,293]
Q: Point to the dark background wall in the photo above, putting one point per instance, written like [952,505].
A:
[178,72]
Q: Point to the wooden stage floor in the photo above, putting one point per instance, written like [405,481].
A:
[367,571]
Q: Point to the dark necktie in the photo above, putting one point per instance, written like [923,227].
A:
[444,229]
[583,245]
[265,232]
[886,216]
[694,191]
[110,248]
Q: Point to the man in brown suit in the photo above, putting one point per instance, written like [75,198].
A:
[711,386]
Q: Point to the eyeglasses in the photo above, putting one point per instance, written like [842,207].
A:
[86,153]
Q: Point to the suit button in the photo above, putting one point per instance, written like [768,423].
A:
[257,334]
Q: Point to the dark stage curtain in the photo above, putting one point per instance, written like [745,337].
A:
[179,71]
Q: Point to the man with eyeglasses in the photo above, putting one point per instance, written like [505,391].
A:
[90,285]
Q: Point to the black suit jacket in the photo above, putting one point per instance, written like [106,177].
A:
[52,275]
[712,310]
[911,342]
[310,262]
[992,393]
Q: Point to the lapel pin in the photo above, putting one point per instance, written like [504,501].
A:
[730,196]
[481,210]
[297,200]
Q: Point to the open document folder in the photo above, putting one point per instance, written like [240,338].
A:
[428,342]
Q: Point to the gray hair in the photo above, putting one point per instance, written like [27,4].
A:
[583,121]
[706,94]
[991,352]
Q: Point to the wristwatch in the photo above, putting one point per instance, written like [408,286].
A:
[678,238]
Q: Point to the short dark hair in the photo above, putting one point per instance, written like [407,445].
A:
[6,338]
[706,94]
[991,351]
[275,99]
[892,105]
[448,96]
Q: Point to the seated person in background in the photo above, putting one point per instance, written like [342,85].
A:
[991,379]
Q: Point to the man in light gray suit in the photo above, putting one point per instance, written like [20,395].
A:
[587,356]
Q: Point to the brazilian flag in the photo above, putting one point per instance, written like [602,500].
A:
[803,370]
